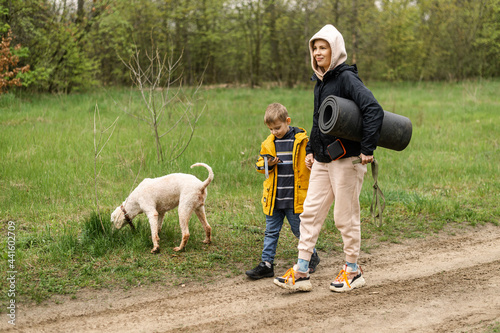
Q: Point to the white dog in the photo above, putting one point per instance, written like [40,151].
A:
[156,196]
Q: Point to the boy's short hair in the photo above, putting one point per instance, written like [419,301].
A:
[274,112]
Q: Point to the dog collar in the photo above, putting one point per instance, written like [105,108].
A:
[127,218]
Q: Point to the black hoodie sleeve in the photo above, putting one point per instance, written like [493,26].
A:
[372,112]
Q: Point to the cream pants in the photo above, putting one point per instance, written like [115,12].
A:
[338,181]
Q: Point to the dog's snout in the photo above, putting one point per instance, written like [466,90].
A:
[117,218]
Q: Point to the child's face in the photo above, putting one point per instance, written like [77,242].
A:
[279,128]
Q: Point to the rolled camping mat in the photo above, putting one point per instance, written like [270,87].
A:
[341,117]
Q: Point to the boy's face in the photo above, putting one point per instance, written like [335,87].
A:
[279,128]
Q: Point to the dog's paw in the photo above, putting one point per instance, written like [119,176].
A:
[155,250]
[177,248]
[207,241]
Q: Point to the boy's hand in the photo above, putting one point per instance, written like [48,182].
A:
[309,161]
[273,161]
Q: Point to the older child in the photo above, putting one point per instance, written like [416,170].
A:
[282,160]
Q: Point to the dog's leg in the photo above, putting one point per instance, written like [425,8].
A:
[153,223]
[185,212]
[200,212]
[160,222]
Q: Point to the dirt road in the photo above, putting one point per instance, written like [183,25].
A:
[445,283]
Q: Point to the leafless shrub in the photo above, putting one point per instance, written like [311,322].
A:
[170,110]
[100,141]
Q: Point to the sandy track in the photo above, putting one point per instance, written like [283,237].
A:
[446,283]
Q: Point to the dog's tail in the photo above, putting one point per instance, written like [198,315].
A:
[210,173]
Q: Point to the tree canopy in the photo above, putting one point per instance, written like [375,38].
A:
[76,44]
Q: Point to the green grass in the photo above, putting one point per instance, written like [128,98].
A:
[494,328]
[447,175]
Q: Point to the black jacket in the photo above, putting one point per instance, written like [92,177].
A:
[343,81]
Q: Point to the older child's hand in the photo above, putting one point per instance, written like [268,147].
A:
[273,161]
[309,161]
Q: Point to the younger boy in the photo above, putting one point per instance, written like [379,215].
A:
[282,160]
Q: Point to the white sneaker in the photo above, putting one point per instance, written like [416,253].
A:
[347,280]
[288,281]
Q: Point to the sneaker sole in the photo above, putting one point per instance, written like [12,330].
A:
[304,286]
[360,282]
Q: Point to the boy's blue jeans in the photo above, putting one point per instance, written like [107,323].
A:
[273,228]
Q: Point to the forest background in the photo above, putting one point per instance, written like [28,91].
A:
[72,45]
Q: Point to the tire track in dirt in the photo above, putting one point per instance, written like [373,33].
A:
[439,284]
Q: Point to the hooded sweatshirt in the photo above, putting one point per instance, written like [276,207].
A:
[343,81]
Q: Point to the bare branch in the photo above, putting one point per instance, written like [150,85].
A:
[97,152]
[154,75]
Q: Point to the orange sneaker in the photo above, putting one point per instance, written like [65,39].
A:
[347,280]
[291,282]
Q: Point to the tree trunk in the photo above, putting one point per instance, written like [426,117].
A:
[354,24]
[273,40]
[80,13]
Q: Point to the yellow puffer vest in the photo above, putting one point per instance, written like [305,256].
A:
[301,173]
